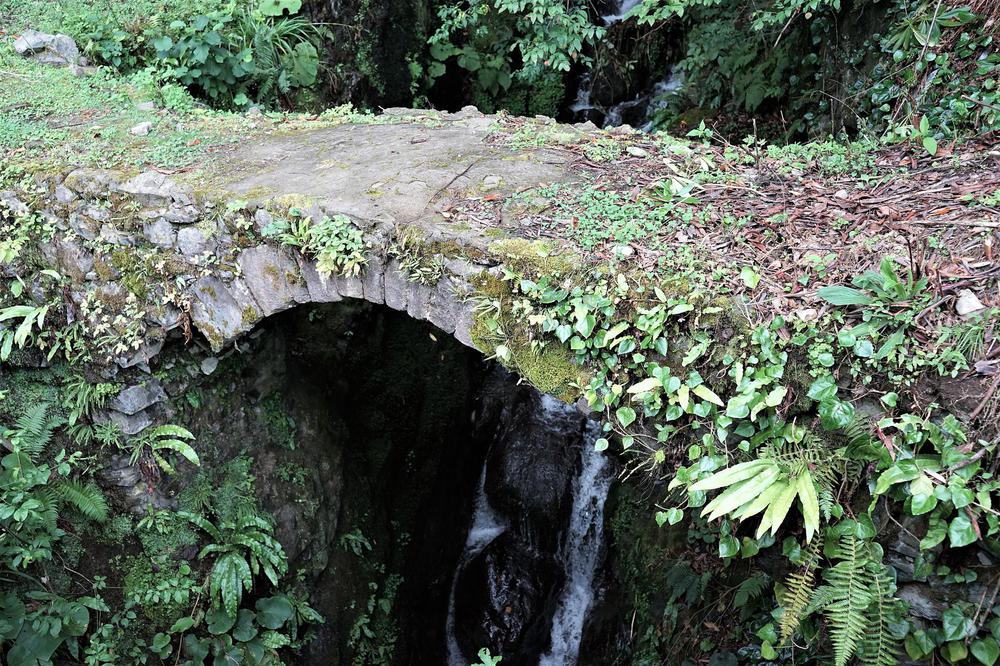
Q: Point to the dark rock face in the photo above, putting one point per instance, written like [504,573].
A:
[506,597]
[531,467]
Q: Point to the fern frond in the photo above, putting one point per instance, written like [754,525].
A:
[799,588]
[86,498]
[878,648]
[33,429]
[750,589]
[846,597]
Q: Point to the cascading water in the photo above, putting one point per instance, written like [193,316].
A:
[577,554]
[580,553]
[641,109]
[622,8]
[486,526]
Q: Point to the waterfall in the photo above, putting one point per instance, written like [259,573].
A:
[580,544]
[622,8]
[580,553]
[486,526]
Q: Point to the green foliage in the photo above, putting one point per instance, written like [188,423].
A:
[487,659]
[500,41]
[228,55]
[242,549]
[336,243]
[153,442]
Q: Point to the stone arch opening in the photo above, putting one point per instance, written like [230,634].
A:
[376,440]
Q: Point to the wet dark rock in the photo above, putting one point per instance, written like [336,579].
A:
[137,398]
[505,598]
[532,465]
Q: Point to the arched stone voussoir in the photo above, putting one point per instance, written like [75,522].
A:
[274,279]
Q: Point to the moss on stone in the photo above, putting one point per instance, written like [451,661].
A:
[548,367]
[534,257]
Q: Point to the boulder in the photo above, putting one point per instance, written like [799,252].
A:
[155,189]
[58,50]
[504,599]
[532,464]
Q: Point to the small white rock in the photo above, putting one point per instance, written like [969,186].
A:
[968,303]
[490,182]
[209,365]
[142,129]
[807,314]
[636,151]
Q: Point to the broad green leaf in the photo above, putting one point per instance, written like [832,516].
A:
[750,277]
[823,388]
[219,621]
[273,612]
[626,416]
[778,509]
[645,386]
[705,393]
[961,532]
[601,444]
[930,145]
[840,295]
[806,489]
[956,624]
[904,470]
[728,546]
[986,650]
[740,493]
[835,414]
[731,475]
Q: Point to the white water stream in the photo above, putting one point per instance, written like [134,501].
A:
[486,526]
[580,551]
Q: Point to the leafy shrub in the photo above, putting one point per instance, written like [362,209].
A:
[228,55]
[507,40]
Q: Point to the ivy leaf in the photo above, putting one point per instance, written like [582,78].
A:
[823,388]
[921,504]
[601,444]
[986,650]
[956,624]
[835,414]
[728,546]
[961,532]
[626,416]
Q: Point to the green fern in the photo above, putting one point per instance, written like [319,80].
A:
[85,498]
[799,588]
[856,600]
[33,430]
[750,589]
[878,647]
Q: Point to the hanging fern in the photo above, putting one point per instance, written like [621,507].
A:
[33,430]
[855,602]
[85,498]
[879,648]
[799,588]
